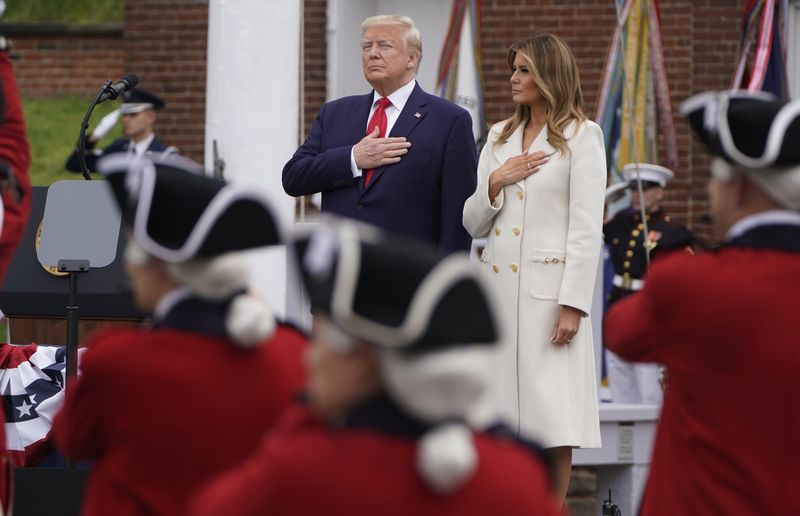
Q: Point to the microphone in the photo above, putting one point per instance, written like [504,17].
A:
[127,83]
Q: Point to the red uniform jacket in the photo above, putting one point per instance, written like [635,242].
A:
[15,152]
[160,411]
[306,468]
[727,326]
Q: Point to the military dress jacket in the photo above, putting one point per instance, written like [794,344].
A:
[159,411]
[15,159]
[118,145]
[725,324]
[627,245]
[368,466]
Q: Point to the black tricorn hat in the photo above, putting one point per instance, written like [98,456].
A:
[138,100]
[394,292]
[177,213]
[753,130]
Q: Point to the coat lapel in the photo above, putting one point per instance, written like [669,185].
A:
[413,112]
[512,147]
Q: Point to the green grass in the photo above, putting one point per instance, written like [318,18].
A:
[77,11]
[53,127]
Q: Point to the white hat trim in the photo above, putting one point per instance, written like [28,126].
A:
[224,198]
[451,269]
[131,107]
[647,172]
[702,100]
[775,136]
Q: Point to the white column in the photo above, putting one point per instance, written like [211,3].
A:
[252,109]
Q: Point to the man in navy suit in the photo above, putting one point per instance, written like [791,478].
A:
[412,172]
[138,111]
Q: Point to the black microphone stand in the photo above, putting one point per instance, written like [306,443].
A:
[74,267]
[84,126]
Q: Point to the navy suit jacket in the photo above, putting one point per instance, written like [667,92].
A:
[421,197]
[118,145]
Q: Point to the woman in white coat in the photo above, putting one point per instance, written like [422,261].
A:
[539,201]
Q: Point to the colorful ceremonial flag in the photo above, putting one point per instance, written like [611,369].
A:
[31,385]
[634,107]
[459,78]
[762,58]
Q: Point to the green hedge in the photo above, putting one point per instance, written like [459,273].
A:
[53,127]
[77,11]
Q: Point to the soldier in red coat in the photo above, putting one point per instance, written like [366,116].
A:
[399,368]
[159,411]
[15,202]
[15,159]
[725,324]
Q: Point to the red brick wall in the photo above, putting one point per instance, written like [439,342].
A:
[314,60]
[59,59]
[165,45]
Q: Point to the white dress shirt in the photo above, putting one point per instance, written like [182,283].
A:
[138,149]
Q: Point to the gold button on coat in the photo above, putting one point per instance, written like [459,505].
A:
[497,231]
[495,268]
[520,195]
[628,253]
[635,232]
[632,243]
[515,230]
[627,264]
[513,267]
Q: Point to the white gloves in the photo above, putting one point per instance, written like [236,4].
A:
[105,125]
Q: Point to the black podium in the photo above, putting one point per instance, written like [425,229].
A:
[34,298]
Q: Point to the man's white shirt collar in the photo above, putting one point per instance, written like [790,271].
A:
[140,148]
[398,98]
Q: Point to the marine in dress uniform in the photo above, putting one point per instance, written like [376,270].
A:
[629,239]
[138,110]
[401,359]
[159,411]
[724,323]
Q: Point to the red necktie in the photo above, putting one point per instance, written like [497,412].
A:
[379,119]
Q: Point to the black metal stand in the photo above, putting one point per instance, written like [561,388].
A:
[84,126]
[73,267]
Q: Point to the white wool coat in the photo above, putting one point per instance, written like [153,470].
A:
[544,236]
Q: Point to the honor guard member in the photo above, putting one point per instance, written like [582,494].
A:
[15,160]
[159,411]
[139,114]
[725,323]
[400,366]
[628,244]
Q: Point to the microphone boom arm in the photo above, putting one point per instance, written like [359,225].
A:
[84,126]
